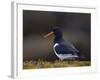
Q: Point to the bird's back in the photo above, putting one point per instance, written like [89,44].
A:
[65,48]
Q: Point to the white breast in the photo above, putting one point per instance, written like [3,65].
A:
[59,56]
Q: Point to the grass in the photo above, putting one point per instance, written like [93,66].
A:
[55,64]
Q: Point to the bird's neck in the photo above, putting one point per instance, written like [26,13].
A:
[58,39]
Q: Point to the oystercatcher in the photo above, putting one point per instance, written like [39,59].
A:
[63,50]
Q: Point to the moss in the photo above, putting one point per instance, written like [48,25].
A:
[55,64]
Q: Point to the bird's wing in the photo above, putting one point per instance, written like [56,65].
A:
[63,48]
[71,46]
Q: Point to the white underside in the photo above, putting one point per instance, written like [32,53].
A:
[63,56]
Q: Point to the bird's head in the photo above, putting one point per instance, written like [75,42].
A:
[56,31]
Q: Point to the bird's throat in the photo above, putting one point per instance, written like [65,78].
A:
[58,39]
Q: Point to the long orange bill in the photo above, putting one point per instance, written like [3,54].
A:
[47,35]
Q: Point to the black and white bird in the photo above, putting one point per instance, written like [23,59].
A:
[63,50]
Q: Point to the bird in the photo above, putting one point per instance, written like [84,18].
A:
[62,49]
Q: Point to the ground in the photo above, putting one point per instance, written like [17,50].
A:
[55,64]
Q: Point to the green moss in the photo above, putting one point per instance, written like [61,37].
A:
[55,64]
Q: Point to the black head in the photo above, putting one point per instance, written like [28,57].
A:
[57,32]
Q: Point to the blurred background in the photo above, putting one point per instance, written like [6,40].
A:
[76,28]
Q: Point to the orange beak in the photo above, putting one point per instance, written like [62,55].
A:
[47,35]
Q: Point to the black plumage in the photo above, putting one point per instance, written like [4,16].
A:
[64,50]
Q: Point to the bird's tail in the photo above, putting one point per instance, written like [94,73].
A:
[81,57]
